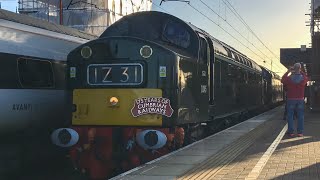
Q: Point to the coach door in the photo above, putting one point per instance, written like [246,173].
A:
[203,75]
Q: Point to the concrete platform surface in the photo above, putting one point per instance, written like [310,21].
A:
[207,158]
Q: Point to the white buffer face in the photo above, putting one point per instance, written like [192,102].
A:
[64,137]
[151,139]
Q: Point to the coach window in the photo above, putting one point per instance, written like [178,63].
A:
[244,62]
[237,58]
[242,59]
[247,61]
[229,52]
[250,63]
[232,55]
[35,73]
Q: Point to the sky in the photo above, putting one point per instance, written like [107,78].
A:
[9,5]
[276,23]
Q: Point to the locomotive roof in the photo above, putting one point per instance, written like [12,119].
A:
[27,20]
[149,25]
[219,46]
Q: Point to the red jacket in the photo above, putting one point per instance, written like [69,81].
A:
[294,85]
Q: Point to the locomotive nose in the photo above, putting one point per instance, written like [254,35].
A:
[64,137]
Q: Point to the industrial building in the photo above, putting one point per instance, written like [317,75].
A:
[91,16]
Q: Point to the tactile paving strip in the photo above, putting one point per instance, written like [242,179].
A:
[209,168]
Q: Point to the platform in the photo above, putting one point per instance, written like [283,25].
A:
[254,149]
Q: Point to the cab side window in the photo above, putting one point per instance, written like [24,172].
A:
[203,51]
[35,73]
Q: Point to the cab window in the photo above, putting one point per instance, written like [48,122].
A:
[176,34]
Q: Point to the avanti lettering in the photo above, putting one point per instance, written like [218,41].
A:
[22,107]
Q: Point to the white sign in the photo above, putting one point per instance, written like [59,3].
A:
[163,71]
[203,89]
[73,72]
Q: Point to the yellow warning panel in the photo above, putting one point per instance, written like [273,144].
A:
[114,107]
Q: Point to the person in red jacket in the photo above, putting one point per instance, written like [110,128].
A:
[295,84]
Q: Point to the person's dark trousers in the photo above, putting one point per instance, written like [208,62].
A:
[297,105]
[285,111]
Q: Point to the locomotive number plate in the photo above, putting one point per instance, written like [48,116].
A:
[115,74]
